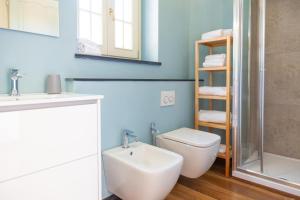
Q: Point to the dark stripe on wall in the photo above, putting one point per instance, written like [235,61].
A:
[133,80]
[106,58]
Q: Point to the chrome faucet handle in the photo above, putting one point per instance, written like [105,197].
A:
[15,74]
[14,71]
[129,133]
[153,128]
[126,134]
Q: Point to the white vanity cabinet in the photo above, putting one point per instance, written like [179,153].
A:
[50,148]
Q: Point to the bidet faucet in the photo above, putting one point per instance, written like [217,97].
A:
[153,129]
[126,134]
[154,132]
[15,76]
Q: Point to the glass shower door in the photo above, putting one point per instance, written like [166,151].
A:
[250,75]
[267,93]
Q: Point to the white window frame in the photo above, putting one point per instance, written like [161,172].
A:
[108,47]
[103,47]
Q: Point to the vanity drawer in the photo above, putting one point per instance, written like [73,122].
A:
[74,181]
[36,139]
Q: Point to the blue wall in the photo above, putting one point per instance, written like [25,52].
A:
[130,105]
[38,55]
[207,15]
[134,105]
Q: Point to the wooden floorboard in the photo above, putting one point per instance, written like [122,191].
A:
[215,186]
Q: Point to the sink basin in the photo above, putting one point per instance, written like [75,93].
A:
[26,96]
[6,100]
[141,172]
[6,97]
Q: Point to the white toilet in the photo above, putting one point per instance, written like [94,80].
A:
[198,148]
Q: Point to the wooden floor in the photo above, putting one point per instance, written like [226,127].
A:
[214,185]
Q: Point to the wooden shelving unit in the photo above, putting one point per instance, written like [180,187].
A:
[210,44]
[213,69]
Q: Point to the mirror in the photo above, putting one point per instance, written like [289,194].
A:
[35,16]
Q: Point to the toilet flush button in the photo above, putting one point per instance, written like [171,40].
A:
[167,98]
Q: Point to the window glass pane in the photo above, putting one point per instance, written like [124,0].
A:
[97,29]
[97,6]
[128,36]
[128,8]
[119,34]
[84,25]
[84,4]
[119,8]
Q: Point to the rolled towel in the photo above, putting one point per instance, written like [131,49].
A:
[216,33]
[88,47]
[212,116]
[222,148]
[212,34]
[214,64]
[215,91]
[215,60]
[227,32]
[215,57]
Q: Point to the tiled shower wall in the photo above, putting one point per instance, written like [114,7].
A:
[282,86]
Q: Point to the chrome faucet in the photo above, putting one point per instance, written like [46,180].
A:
[154,132]
[126,134]
[153,129]
[15,76]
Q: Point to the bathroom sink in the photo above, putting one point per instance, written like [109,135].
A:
[141,171]
[38,98]
[28,97]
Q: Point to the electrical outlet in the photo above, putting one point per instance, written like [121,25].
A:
[167,98]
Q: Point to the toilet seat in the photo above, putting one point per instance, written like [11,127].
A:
[193,137]
[199,149]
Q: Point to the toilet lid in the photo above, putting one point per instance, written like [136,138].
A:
[193,137]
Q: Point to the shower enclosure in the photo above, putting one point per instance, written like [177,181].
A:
[266,107]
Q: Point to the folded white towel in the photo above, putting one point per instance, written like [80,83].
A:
[215,60]
[214,64]
[212,116]
[88,47]
[227,32]
[212,34]
[215,57]
[216,33]
[216,91]
[222,148]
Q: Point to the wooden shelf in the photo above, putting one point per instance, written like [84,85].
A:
[212,125]
[212,68]
[200,96]
[214,42]
[222,155]
[210,44]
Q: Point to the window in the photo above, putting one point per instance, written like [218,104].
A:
[109,27]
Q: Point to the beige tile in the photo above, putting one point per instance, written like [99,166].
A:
[282,78]
[282,26]
[282,130]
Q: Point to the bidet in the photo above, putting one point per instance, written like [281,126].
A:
[141,172]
